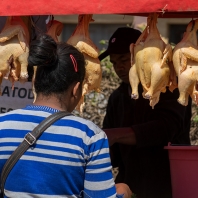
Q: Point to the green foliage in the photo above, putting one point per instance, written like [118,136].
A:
[195,119]
[141,26]
[134,196]
[103,42]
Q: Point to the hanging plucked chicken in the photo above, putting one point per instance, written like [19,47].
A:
[185,60]
[54,29]
[150,58]
[14,50]
[81,40]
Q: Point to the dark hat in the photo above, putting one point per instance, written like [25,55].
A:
[120,41]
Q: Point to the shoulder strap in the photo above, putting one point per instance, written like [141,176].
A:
[29,139]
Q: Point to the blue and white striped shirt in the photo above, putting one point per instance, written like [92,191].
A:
[70,158]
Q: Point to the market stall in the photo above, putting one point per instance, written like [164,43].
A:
[165,9]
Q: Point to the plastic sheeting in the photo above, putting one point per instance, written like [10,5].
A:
[167,8]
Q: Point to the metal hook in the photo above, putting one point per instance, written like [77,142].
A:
[193,24]
[163,9]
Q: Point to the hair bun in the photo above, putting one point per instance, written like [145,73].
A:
[43,52]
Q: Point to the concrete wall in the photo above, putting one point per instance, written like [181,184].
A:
[104,26]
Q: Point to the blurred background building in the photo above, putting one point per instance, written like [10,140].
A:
[104,26]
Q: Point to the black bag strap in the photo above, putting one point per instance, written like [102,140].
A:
[29,139]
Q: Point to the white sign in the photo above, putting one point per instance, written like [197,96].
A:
[18,97]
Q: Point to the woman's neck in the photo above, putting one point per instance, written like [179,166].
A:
[49,101]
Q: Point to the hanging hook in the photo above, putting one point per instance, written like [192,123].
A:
[193,24]
[51,20]
[163,9]
[192,16]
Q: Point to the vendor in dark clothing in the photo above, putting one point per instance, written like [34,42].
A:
[137,133]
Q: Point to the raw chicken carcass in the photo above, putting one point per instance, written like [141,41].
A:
[92,79]
[149,58]
[80,37]
[93,74]
[185,60]
[54,29]
[14,50]
[81,40]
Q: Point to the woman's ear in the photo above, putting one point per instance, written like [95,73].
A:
[75,89]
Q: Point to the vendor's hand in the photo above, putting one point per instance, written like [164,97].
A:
[120,135]
[122,188]
[111,136]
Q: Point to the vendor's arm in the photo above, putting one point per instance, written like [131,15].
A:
[124,135]
[168,121]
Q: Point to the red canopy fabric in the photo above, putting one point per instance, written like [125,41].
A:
[170,8]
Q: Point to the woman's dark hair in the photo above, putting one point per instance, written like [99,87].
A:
[58,65]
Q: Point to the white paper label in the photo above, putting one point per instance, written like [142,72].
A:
[18,97]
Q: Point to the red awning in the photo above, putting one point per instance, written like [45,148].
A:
[170,8]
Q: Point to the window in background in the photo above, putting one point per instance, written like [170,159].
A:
[176,32]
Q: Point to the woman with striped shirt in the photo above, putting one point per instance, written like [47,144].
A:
[71,157]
